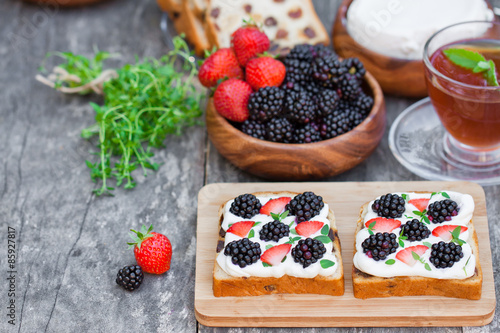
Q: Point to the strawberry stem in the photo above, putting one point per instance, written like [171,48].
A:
[139,236]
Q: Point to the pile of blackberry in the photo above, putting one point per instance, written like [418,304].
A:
[274,231]
[308,251]
[243,252]
[246,206]
[305,206]
[380,245]
[443,210]
[321,98]
[445,255]
[389,205]
[415,230]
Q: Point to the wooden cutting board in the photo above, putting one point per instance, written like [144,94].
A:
[336,311]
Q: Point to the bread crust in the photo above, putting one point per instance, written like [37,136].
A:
[369,286]
[225,285]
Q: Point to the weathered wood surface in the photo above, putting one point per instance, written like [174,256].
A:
[71,244]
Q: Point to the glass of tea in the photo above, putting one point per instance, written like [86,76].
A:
[462,66]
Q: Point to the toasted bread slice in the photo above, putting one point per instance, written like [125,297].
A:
[369,286]
[226,285]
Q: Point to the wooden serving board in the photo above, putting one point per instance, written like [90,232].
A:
[336,311]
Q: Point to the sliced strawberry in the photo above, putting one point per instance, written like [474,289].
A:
[241,228]
[383,224]
[308,228]
[421,204]
[444,231]
[275,255]
[406,255]
[275,206]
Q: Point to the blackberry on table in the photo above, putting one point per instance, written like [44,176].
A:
[326,101]
[445,255]
[243,252]
[246,206]
[254,128]
[441,211]
[389,205]
[354,66]
[380,245]
[306,134]
[308,251]
[327,70]
[349,86]
[130,277]
[274,231]
[266,103]
[415,230]
[299,107]
[335,124]
[305,206]
[279,130]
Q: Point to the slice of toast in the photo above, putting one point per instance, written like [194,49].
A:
[369,286]
[227,285]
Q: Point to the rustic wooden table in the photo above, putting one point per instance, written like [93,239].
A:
[69,243]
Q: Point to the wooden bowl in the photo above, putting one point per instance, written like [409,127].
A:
[286,161]
[396,76]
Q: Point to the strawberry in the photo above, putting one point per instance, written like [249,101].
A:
[152,250]
[406,255]
[241,228]
[231,99]
[383,224]
[248,41]
[275,206]
[275,254]
[308,228]
[444,231]
[421,204]
[264,72]
[219,65]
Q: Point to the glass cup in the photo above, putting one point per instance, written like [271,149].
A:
[469,113]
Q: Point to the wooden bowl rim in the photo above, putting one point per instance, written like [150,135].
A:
[378,107]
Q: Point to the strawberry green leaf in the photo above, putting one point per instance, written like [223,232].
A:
[325,263]
[390,262]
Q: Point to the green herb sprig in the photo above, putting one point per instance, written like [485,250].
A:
[474,61]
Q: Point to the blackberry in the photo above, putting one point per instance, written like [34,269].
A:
[443,210]
[389,205]
[364,103]
[308,251]
[327,70]
[246,206]
[279,130]
[299,107]
[307,134]
[415,230]
[326,101]
[354,66]
[274,231]
[302,52]
[305,206]
[445,255]
[335,124]
[254,128]
[266,103]
[350,87]
[243,252]
[297,71]
[380,245]
[321,50]
[130,277]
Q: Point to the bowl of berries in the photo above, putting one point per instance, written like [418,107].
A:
[307,115]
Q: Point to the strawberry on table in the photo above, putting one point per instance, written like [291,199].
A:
[444,231]
[308,228]
[219,65]
[275,206]
[152,250]
[383,224]
[406,255]
[421,203]
[275,255]
[265,71]
[247,42]
[231,99]
[241,228]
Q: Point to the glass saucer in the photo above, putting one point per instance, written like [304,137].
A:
[418,141]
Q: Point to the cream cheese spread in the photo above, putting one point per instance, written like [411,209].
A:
[400,28]
[288,266]
[460,270]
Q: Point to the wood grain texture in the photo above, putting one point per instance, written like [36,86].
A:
[396,76]
[283,161]
[345,199]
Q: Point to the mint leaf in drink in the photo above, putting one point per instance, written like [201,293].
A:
[475,61]
[482,66]
[492,75]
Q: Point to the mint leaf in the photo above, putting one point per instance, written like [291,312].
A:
[323,239]
[325,263]
[482,66]
[404,196]
[401,243]
[266,264]
[251,234]
[390,262]
[415,256]
[325,230]
[491,75]
[429,245]
[446,195]
[427,267]
[293,232]
[268,246]
[464,58]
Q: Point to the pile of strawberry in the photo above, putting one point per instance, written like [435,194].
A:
[238,71]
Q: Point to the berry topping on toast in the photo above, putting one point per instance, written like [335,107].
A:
[275,254]
[241,228]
